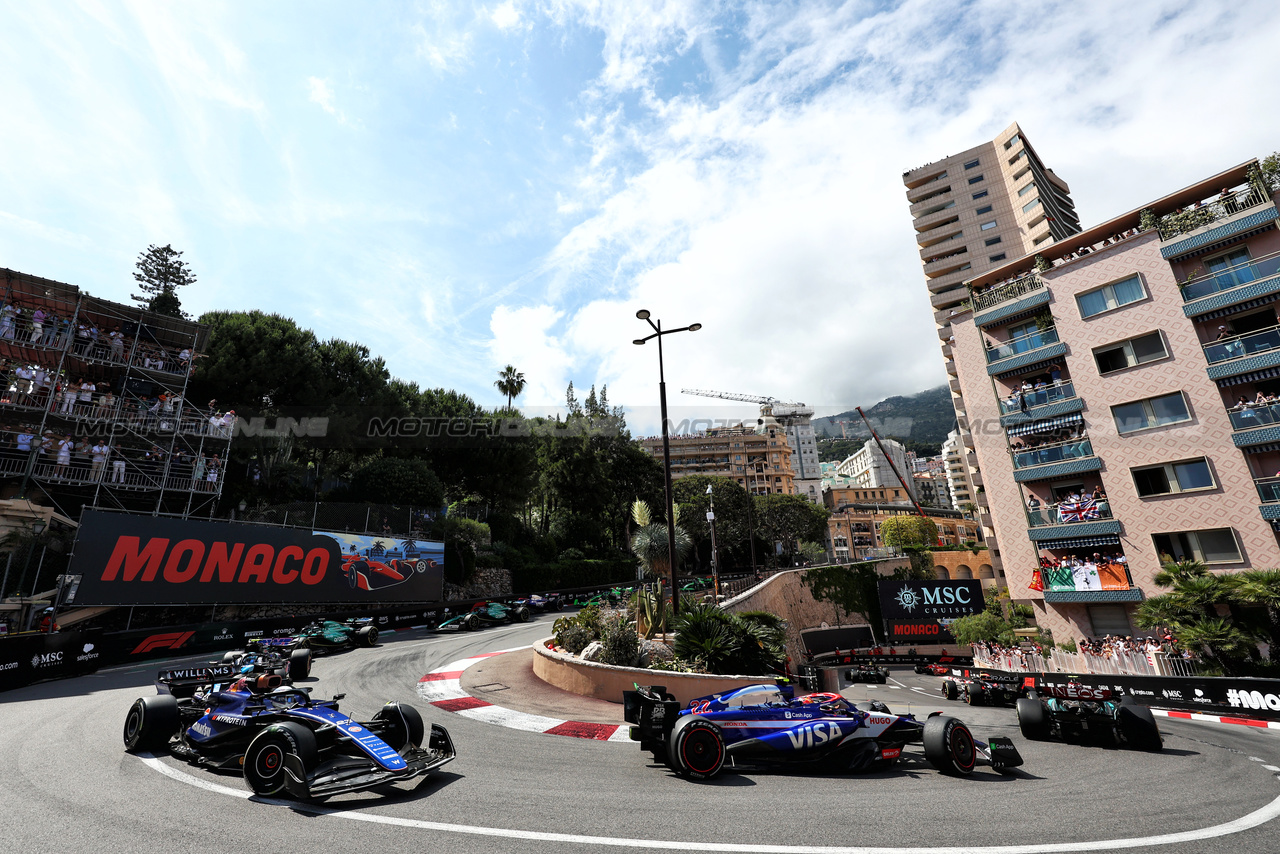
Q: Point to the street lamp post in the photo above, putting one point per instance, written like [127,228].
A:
[658,332]
[715,562]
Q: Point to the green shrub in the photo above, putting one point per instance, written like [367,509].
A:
[621,643]
[725,643]
[573,639]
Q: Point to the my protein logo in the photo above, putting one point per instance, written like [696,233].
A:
[1253,700]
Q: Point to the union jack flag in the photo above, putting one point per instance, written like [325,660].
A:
[1079,511]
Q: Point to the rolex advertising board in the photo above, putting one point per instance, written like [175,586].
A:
[920,611]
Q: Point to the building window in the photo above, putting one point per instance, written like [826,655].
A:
[993,241]
[1152,412]
[1109,297]
[987,226]
[1127,354]
[979,195]
[1015,158]
[984,209]
[1012,141]
[1221,268]
[1031,185]
[1031,205]
[1211,545]
[1173,478]
[975,179]
[971,164]
[999,257]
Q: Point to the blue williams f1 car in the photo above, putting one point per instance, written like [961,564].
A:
[286,742]
[764,725]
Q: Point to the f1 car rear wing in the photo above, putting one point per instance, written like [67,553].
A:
[652,710]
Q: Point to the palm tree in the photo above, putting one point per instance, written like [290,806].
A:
[1261,587]
[1172,572]
[649,542]
[510,382]
[1221,641]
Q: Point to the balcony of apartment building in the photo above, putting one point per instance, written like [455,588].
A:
[945,259]
[1243,345]
[1086,570]
[1050,394]
[932,221]
[928,196]
[1029,344]
[1009,298]
[1227,281]
[1062,449]
[1074,508]
[1244,207]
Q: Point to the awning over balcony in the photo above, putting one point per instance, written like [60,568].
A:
[1047,424]
[1251,377]
[1080,542]
[1237,308]
[1262,449]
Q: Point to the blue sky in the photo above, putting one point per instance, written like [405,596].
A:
[460,185]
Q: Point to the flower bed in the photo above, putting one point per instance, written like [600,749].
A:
[607,682]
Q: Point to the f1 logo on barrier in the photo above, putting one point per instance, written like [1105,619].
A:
[169,640]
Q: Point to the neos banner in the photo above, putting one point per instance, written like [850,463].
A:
[124,559]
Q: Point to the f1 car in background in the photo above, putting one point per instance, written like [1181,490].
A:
[323,636]
[985,689]
[487,614]
[867,673]
[286,742]
[540,604]
[187,681]
[1094,715]
[934,669]
[767,725]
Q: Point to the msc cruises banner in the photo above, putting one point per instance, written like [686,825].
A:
[123,559]
[920,611]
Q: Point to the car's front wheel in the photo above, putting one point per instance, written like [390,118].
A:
[402,725]
[1033,719]
[299,664]
[950,690]
[949,747]
[151,722]
[264,769]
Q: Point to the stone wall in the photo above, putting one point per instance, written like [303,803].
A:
[486,584]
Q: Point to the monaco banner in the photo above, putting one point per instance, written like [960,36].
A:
[124,559]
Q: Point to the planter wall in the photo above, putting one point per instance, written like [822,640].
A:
[606,682]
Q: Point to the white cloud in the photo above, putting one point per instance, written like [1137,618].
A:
[770,207]
[505,15]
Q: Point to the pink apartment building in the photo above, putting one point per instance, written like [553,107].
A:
[1103,378]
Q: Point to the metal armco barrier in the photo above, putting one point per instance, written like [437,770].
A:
[1254,699]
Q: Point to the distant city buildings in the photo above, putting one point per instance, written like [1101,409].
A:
[974,211]
[870,467]
[758,458]
[1128,385]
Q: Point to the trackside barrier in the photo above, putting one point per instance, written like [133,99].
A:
[1226,696]
[1058,661]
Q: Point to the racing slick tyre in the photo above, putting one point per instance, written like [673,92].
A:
[950,690]
[264,758]
[1033,719]
[231,656]
[367,636]
[522,614]
[975,697]
[949,747]
[695,749]
[299,664]
[402,725]
[1138,726]
[469,624]
[920,668]
[151,722]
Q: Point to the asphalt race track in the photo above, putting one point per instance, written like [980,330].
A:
[68,785]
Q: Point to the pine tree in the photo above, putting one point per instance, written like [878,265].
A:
[160,272]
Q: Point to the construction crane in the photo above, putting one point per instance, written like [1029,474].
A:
[888,459]
[780,408]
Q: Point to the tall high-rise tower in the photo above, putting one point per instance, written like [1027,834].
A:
[974,211]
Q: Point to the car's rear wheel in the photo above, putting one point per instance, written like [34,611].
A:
[949,747]
[264,759]
[522,614]
[299,664]
[974,696]
[151,722]
[950,689]
[402,725]
[1033,719]
[367,636]
[696,750]
[1138,726]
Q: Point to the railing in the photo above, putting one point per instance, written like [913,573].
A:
[1244,345]
[1182,222]
[1026,399]
[1215,281]
[117,472]
[1250,415]
[1072,450]
[1022,344]
[1058,661]
[1029,283]
[1068,512]
[1268,489]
